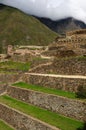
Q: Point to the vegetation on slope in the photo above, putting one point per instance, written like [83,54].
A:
[4,126]
[45,90]
[52,118]
[81,94]
[17,28]
[10,66]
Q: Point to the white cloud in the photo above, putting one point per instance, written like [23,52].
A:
[53,9]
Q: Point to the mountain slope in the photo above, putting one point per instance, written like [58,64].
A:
[19,28]
[63,25]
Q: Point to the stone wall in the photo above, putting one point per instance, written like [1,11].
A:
[3,88]
[80,31]
[21,58]
[9,77]
[65,106]
[74,43]
[67,84]
[21,121]
[71,66]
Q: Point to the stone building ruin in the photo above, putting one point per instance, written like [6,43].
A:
[10,50]
[72,41]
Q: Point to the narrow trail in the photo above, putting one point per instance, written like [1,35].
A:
[41,65]
[59,76]
[46,57]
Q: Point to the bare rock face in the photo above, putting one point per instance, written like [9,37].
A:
[64,25]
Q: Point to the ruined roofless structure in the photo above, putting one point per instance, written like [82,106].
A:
[77,32]
[73,37]
[73,40]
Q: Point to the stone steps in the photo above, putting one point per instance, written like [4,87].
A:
[72,108]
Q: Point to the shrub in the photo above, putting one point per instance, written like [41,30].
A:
[81,92]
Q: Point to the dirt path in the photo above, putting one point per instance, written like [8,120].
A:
[41,65]
[46,57]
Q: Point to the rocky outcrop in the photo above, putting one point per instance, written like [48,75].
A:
[63,25]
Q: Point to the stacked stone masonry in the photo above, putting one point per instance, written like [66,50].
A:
[67,84]
[3,88]
[65,106]
[10,78]
[21,121]
[74,40]
[72,66]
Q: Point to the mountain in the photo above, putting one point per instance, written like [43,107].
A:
[63,25]
[17,28]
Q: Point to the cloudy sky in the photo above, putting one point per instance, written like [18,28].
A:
[53,9]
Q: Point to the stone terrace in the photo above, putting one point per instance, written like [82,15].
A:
[70,76]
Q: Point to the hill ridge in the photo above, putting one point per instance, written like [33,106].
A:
[22,29]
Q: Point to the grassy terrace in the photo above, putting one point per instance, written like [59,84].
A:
[4,126]
[1,82]
[49,117]
[45,90]
[14,66]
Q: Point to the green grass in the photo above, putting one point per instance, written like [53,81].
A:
[45,90]
[52,118]
[81,57]
[4,126]
[1,82]
[16,66]
[17,28]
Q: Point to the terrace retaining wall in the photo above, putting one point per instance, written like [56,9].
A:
[65,106]
[72,66]
[67,84]
[3,88]
[21,121]
[9,78]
